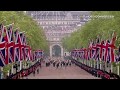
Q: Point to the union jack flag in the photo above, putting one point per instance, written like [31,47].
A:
[72,54]
[80,54]
[84,52]
[28,53]
[90,50]
[107,51]
[22,46]
[97,49]
[31,56]
[108,57]
[112,47]
[10,44]
[35,55]
[40,53]
[93,50]
[16,46]
[2,46]
[102,51]
[87,54]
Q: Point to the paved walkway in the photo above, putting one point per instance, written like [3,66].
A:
[71,72]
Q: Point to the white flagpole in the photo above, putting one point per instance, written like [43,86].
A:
[20,65]
[100,63]
[105,66]
[12,69]
[111,67]
[91,63]
[1,72]
[84,61]
[97,64]
[118,70]
[94,63]
[87,63]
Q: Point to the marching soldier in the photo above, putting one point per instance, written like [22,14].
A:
[37,71]
[57,65]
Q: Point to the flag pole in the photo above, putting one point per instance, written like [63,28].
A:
[111,67]
[118,69]
[100,63]
[97,64]
[2,75]
[91,62]
[20,65]
[12,69]
[105,66]
[94,63]
[113,36]
[86,62]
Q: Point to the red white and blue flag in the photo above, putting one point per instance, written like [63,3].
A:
[2,46]
[22,46]
[16,46]
[112,47]
[93,50]
[9,44]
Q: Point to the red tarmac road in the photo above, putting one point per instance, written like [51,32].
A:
[70,72]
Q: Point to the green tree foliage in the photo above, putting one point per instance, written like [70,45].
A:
[34,34]
[102,26]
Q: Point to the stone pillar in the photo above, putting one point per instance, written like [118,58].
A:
[50,51]
[62,52]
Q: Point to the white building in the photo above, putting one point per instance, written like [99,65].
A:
[58,24]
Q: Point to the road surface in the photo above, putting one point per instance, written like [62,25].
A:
[71,72]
